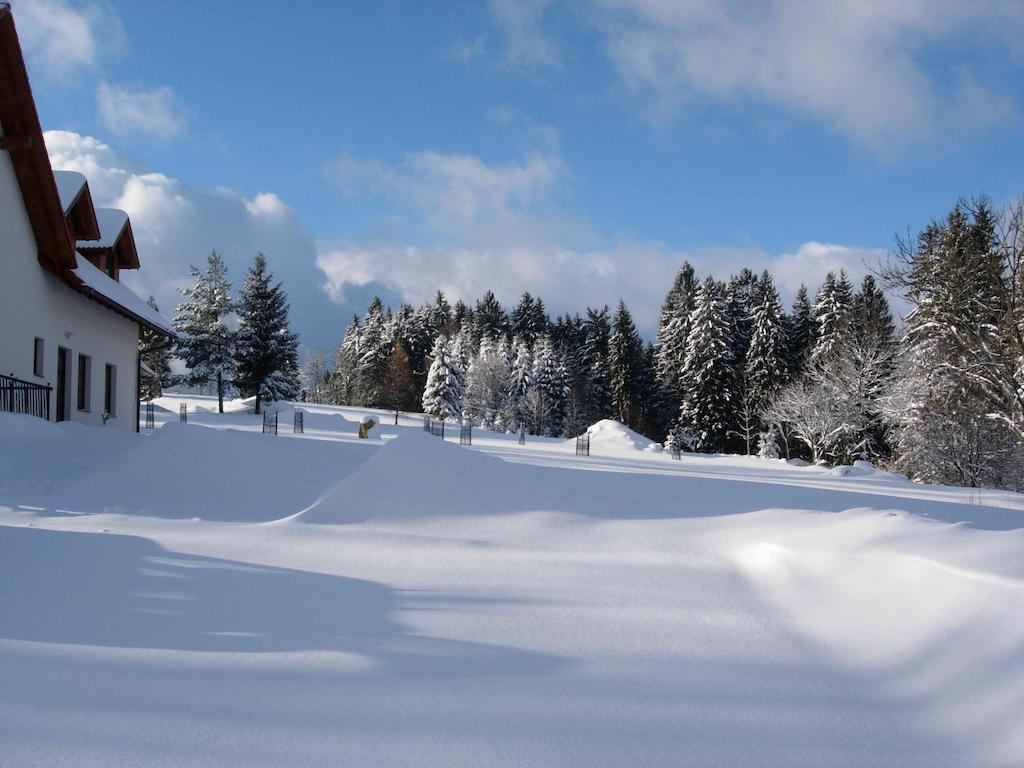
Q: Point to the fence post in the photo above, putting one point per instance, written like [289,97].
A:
[583,444]
[150,417]
[465,434]
[297,427]
[426,423]
[522,436]
[183,413]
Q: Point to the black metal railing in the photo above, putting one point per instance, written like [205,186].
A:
[150,416]
[183,413]
[675,452]
[17,396]
[583,445]
[522,435]
[434,426]
[465,434]
[426,423]
[297,426]
[270,423]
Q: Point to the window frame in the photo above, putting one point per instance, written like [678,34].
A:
[39,357]
[110,390]
[84,388]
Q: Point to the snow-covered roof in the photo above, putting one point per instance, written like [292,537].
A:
[122,296]
[69,186]
[112,222]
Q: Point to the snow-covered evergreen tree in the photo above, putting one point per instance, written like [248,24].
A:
[625,358]
[673,330]
[266,352]
[443,394]
[520,384]
[766,354]
[490,318]
[528,320]
[833,312]
[800,332]
[155,355]
[709,386]
[205,343]
[598,404]
[549,389]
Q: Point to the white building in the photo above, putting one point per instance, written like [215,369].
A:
[66,321]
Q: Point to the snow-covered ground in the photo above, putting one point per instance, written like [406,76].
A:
[220,597]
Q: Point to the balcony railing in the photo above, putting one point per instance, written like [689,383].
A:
[17,396]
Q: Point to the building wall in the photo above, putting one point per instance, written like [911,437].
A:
[34,303]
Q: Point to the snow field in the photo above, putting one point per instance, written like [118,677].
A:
[411,602]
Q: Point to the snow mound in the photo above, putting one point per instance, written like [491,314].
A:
[612,436]
[409,476]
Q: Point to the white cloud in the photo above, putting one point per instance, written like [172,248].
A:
[526,43]
[153,112]
[880,73]
[177,225]
[471,226]
[60,39]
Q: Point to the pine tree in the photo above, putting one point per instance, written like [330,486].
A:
[598,329]
[374,348]
[442,396]
[529,320]
[673,330]
[766,355]
[205,343]
[155,355]
[800,332]
[549,389]
[833,312]
[342,387]
[266,353]
[625,357]
[708,378]
[520,384]
[490,318]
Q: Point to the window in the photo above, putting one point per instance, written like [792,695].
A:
[84,375]
[38,359]
[110,391]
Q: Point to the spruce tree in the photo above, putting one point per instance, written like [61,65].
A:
[205,343]
[598,329]
[800,332]
[549,389]
[709,386]
[266,354]
[442,396]
[766,355]
[833,314]
[155,354]
[673,329]
[490,318]
[625,357]
[520,384]
[528,320]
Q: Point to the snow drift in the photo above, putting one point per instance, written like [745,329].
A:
[610,436]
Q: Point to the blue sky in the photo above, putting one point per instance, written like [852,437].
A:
[580,150]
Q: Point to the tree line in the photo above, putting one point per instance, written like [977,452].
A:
[830,380]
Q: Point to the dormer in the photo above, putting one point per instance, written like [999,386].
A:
[76,200]
[114,249]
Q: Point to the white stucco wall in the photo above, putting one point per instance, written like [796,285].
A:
[33,304]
